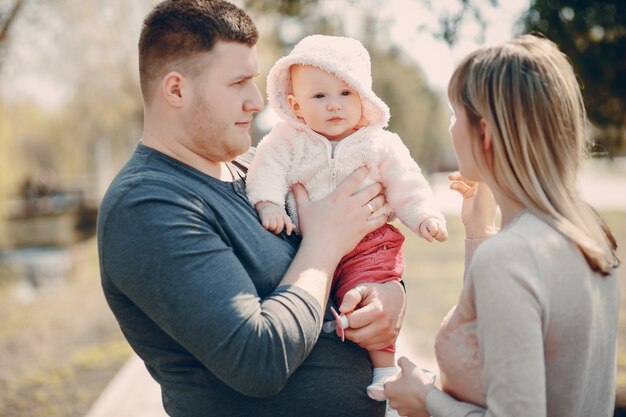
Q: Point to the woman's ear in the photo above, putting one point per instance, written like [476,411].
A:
[487,139]
[485,134]
[172,88]
[294,105]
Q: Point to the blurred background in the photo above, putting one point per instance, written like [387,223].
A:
[71,114]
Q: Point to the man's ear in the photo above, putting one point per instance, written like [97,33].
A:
[172,88]
[294,105]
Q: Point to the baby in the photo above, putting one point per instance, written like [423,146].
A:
[333,123]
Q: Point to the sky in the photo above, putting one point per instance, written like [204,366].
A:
[436,58]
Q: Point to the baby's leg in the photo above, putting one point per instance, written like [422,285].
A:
[382,358]
[384,368]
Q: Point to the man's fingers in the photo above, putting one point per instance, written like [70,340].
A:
[375,203]
[365,314]
[377,222]
[300,194]
[369,193]
[351,300]
[353,182]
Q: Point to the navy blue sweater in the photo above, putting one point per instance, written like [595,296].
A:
[192,276]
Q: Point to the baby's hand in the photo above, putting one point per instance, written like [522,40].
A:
[433,227]
[274,217]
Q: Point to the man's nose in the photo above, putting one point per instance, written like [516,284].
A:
[254,103]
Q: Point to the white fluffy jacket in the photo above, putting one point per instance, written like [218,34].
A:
[294,153]
[287,156]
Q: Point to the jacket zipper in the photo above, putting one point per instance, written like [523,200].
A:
[331,158]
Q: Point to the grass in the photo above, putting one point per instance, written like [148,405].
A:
[58,352]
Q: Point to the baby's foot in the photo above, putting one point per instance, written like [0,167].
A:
[376,388]
[391,412]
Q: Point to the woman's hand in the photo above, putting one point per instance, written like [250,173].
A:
[336,223]
[407,391]
[478,212]
[375,313]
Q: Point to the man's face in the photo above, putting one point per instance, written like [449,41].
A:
[223,99]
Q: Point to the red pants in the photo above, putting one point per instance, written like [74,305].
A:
[377,258]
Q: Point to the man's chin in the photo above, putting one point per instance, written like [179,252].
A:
[239,149]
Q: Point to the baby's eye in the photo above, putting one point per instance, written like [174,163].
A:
[319,95]
[346,93]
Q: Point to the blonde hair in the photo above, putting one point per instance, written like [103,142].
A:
[528,94]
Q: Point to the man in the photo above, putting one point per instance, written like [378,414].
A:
[226,315]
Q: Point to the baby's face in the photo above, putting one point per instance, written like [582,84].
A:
[327,104]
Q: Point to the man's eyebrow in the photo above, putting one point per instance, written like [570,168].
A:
[246,76]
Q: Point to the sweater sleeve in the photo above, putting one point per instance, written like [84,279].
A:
[267,176]
[508,301]
[407,191]
[182,273]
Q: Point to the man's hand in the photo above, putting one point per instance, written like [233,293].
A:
[375,313]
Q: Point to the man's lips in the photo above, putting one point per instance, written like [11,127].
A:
[244,123]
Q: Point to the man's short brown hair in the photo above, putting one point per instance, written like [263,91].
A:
[177,30]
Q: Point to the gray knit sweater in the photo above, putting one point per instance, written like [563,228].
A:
[534,332]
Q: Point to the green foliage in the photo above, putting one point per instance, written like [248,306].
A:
[281,7]
[593,34]
[417,114]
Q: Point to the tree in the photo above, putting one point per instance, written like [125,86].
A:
[593,34]
[447,27]
[418,115]
[8,15]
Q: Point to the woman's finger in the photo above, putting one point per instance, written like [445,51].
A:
[463,188]
[406,365]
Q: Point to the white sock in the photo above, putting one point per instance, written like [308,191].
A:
[379,377]
[390,412]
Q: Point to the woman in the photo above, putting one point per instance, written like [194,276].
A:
[534,332]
